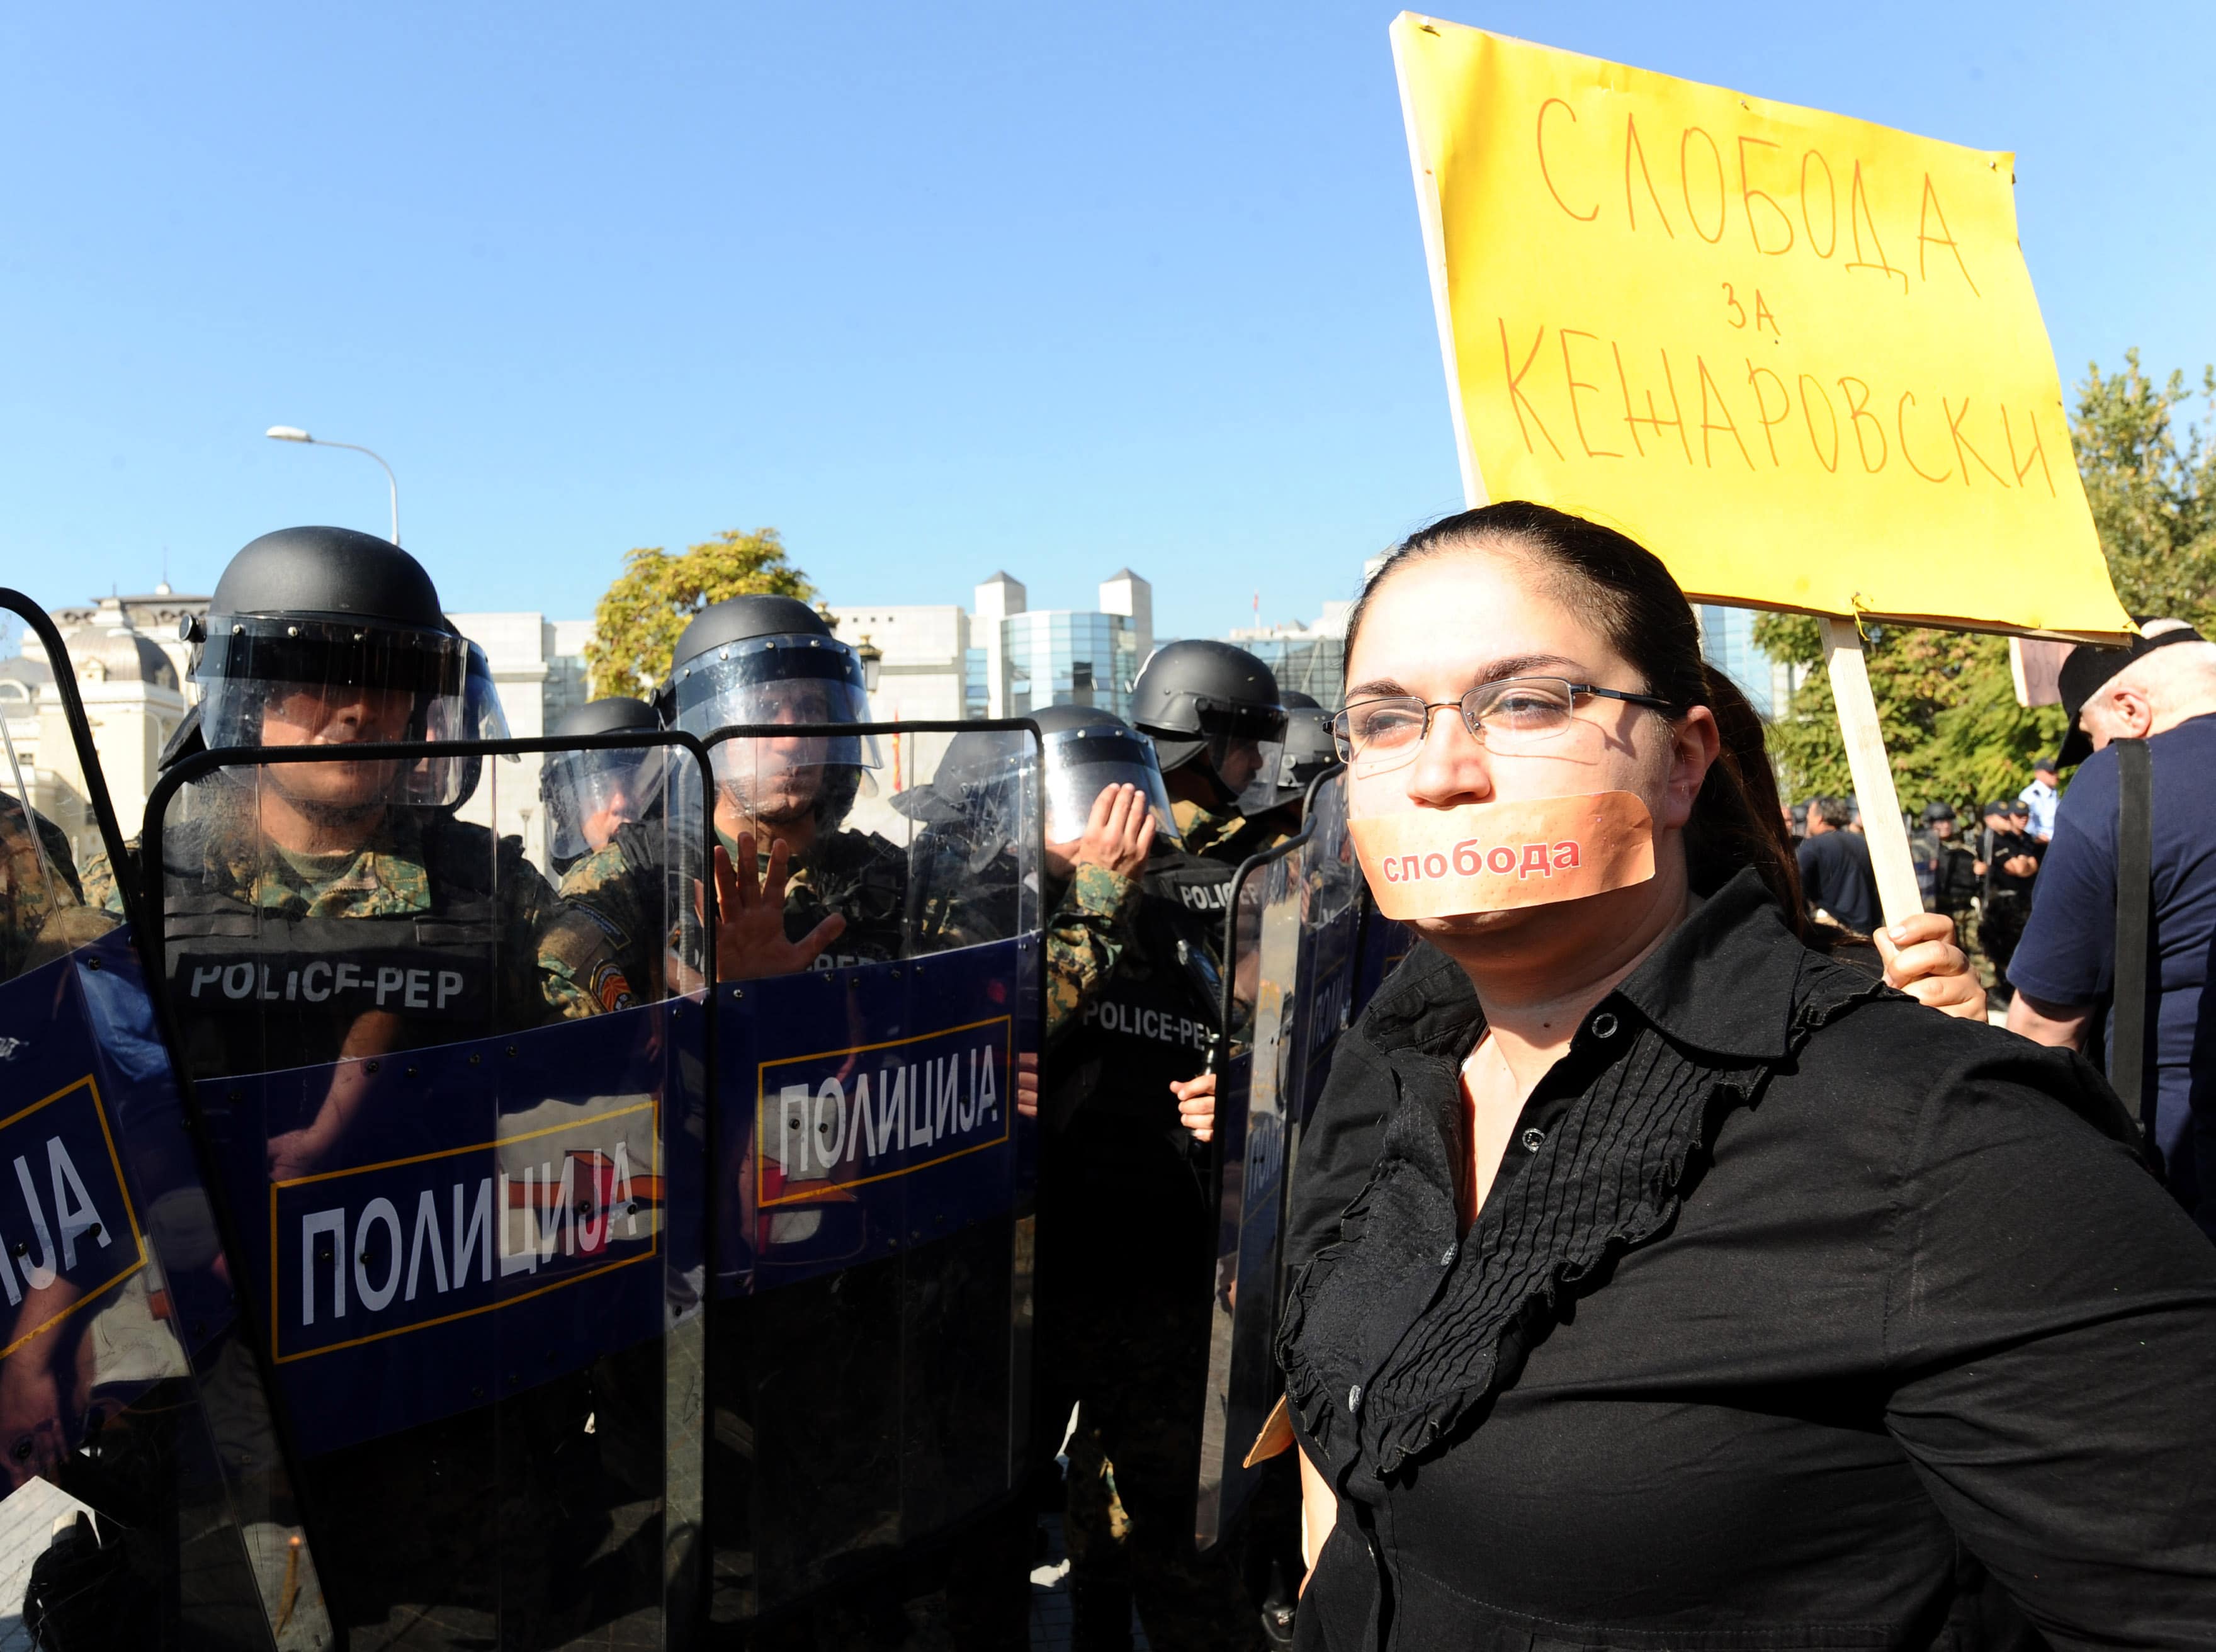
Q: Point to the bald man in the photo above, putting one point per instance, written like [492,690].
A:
[2162,690]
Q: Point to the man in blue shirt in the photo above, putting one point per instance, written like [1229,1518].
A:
[1834,868]
[2162,690]
[2042,796]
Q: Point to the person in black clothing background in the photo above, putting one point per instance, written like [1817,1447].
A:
[1834,868]
[1946,873]
[2006,866]
[1700,1290]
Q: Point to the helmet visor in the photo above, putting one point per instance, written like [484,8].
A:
[1082,763]
[766,681]
[1250,768]
[304,683]
[484,717]
[591,794]
[316,682]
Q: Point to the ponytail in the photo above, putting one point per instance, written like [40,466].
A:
[1739,819]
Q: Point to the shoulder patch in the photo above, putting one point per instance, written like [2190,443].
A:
[610,988]
[614,931]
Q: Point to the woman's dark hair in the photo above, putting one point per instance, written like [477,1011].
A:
[1737,821]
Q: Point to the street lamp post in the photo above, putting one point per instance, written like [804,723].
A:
[293,433]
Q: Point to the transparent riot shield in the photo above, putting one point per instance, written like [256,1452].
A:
[147,1501]
[456,1096]
[1380,945]
[1256,1094]
[1331,893]
[876,1015]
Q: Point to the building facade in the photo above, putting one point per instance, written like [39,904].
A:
[130,666]
[1310,659]
[1727,643]
[998,658]
[933,664]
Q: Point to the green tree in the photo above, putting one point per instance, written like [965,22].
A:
[1945,702]
[2152,491]
[1945,699]
[640,616]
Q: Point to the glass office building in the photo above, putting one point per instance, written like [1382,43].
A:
[1069,656]
[1727,643]
[1312,665]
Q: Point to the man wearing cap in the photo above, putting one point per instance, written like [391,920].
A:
[2041,798]
[2161,690]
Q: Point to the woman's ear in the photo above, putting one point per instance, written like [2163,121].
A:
[1694,743]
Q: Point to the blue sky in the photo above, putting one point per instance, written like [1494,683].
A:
[934,289]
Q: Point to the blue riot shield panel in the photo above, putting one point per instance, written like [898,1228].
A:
[147,1501]
[873,1159]
[1331,892]
[455,1088]
[1379,946]
[1258,1094]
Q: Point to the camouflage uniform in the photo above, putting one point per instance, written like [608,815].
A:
[812,1343]
[861,877]
[42,911]
[1124,1326]
[1225,834]
[578,972]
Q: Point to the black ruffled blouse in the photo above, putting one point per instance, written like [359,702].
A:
[1798,1315]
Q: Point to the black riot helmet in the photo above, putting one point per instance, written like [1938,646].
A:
[1214,707]
[758,661]
[1087,749]
[320,635]
[589,794]
[1309,749]
[975,807]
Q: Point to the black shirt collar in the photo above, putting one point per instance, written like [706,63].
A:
[1724,982]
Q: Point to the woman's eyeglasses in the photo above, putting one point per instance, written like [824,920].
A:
[1514,715]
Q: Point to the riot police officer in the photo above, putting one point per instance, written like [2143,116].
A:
[791,879]
[320,915]
[1127,1226]
[591,795]
[40,898]
[1307,752]
[1946,874]
[2007,864]
[1219,728]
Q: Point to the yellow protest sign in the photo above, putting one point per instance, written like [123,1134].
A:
[1796,355]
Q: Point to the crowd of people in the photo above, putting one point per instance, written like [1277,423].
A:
[2037,890]
[1661,1268]
[1982,881]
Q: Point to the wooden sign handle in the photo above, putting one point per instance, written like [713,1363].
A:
[1887,832]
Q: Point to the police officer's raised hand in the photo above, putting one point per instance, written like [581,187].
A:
[1922,960]
[1119,836]
[750,940]
[1195,1099]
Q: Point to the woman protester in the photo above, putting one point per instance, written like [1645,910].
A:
[1702,1291]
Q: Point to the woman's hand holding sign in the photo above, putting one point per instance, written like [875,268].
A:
[1922,960]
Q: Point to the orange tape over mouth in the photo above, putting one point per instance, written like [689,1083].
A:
[1495,857]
